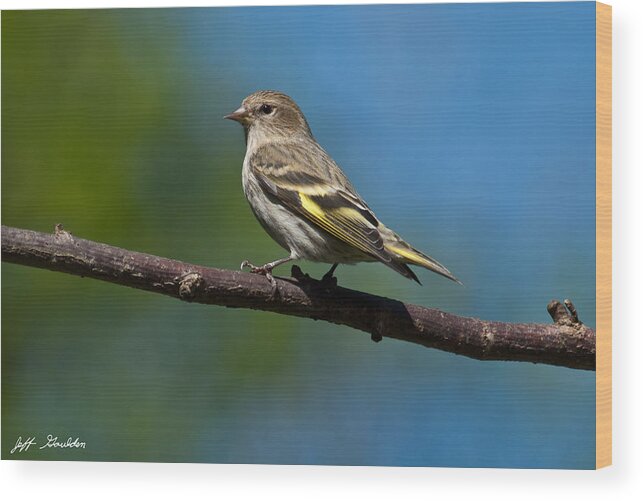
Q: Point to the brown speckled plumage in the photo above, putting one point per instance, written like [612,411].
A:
[304,200]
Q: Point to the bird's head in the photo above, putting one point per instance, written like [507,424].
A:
[272,113]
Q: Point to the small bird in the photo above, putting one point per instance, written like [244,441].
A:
[303,199]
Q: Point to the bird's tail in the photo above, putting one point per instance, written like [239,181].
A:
[410,255]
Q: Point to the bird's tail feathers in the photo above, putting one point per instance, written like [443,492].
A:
[402,269]
[409,255]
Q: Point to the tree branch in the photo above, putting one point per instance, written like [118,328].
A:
[566,342]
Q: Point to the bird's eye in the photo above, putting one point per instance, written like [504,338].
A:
[266,109]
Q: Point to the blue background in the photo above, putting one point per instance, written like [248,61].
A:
[469,129]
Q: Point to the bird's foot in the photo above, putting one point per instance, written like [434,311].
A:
[265,270]
[328,280]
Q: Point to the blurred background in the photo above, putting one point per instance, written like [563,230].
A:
[468,128]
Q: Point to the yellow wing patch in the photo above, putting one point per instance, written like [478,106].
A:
[311,206]
[340,222]
[409,254]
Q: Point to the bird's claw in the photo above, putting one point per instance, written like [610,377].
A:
[329,281]
[260,270]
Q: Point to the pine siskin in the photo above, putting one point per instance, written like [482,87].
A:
[303,199]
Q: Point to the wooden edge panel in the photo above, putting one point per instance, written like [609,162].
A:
[603,235]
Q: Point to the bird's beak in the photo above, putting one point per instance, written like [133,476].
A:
[239,115]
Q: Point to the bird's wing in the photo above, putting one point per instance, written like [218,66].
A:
[334,209]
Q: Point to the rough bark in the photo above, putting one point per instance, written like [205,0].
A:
[567,342]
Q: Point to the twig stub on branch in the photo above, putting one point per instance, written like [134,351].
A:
[563,315]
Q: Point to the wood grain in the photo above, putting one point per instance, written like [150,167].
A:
[603,235]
